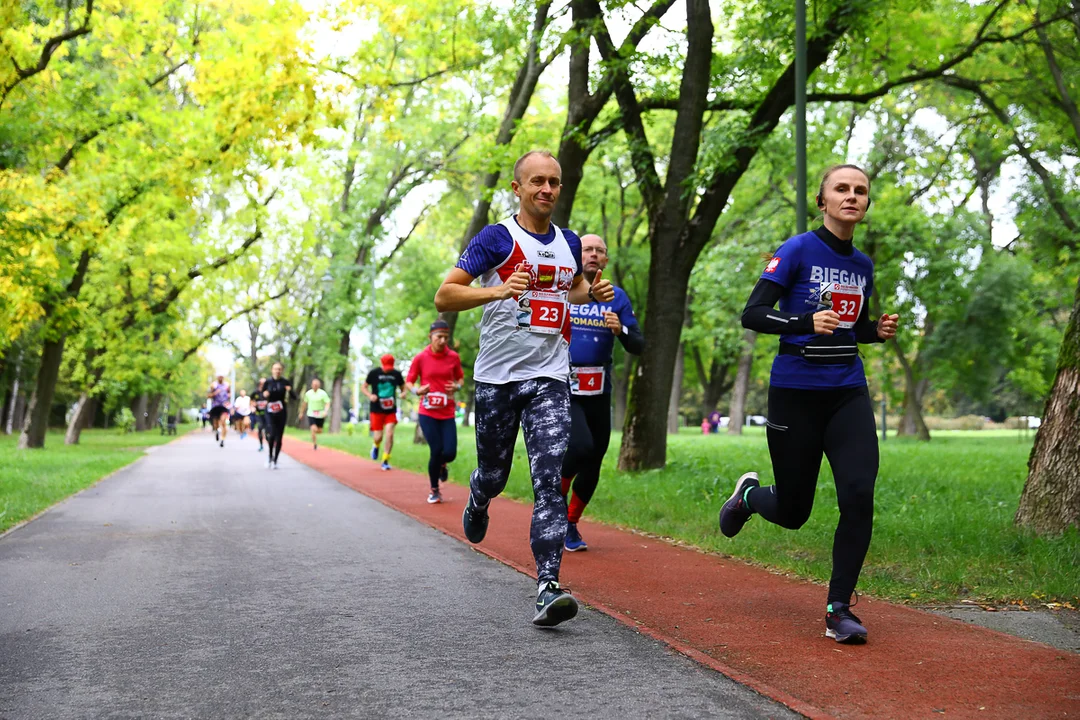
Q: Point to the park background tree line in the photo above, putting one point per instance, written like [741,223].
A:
[305,177]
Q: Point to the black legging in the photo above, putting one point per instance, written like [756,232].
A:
[802,425]
[275,431]
[441,436]
[539,407]
[590,433]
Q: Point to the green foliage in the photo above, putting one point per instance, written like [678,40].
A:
[124,421]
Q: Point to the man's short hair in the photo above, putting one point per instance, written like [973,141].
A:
[521,160]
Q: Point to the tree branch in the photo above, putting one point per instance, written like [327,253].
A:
[50,47]
[943,68]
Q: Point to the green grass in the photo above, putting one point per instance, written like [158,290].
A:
[943,527]
[32,480]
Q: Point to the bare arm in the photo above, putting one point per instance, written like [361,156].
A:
[456,295]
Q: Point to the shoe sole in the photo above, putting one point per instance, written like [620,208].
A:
[853,639]
[434,502]
[579,548]
[559,611]
[740,488]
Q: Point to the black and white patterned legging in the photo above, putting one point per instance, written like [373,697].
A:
[542,408]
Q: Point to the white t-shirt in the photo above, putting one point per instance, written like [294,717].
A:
[242,405]
[529,337]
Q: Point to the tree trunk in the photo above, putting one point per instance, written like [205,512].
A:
[80,419]
[912,423]
[139,410]
[37,412]
[337,391]
[17,413]
[14,402]
[676,391]
[1050,502]
[153,410]
[418,436]
[644,443]
[737,414]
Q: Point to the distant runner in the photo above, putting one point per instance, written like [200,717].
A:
[243,409]
[530,272]
[260,412]
[382,387]
[276,392]
[317,403]
[220,395]
[438,368]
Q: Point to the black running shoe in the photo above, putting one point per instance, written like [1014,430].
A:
[444,474]
[217,435]
[842,626]
[554,605]
[735,512]
[475,521]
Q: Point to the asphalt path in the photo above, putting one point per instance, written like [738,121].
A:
[196,583]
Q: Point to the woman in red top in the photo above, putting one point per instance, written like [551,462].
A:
[439,370]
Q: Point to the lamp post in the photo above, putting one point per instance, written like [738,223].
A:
[800,115]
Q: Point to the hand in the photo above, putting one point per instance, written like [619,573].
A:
[517,283]
[602,290]
[372,397]
[825,322]
[451,386]
[886,327]
[423,389]
[612,321]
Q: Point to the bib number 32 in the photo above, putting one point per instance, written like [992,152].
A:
[844,300]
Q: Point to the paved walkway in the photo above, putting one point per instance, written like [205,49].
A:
[197,584]
[762,629]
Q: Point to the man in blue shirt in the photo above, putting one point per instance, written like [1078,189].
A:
[594,327]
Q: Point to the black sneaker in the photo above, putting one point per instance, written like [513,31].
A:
[475,521]
[842,626]
[444,474]
[735,512]
[554,605]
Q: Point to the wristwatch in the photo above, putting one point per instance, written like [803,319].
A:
[591,296]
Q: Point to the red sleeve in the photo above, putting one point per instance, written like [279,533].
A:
[414,369]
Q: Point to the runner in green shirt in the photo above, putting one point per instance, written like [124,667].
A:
[317,403]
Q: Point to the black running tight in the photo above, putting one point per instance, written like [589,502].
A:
[275,432]
[839,424]
[590,433]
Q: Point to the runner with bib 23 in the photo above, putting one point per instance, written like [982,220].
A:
[530,272]
[818,399]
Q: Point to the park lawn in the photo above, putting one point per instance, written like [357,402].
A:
[943,527]
[32,480]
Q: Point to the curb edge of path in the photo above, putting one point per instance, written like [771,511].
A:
[23,523]
[791,702]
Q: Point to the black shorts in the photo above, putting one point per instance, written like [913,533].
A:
[217,411]
[314,421]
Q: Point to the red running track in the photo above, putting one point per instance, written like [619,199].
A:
[762,630]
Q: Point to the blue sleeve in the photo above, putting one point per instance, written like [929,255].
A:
[784,266]
[488,250]
[575,247]
[624,309]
